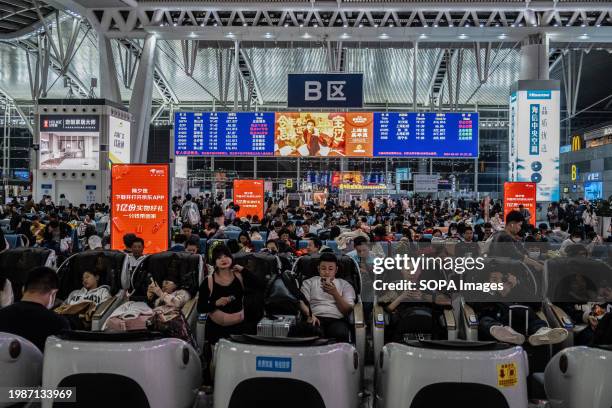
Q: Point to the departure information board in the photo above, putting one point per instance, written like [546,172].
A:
[224,133]
[393,134]
[426,134]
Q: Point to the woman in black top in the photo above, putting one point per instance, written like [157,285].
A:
[225,302]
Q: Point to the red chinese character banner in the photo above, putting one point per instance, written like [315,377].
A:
[517,193]
[249,195]
[139,205]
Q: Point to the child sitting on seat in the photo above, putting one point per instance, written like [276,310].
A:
[91,290]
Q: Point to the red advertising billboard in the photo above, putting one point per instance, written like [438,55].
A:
[249,196]
[517,193]
[140,205]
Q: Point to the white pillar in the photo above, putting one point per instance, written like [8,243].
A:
[140,103]
[109,84]
[534,58]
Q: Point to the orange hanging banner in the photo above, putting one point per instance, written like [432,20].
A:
[140,205]
[249,195]
[517,193]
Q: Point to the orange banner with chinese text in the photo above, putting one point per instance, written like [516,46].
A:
[517,193]
[140,205]
[249,196]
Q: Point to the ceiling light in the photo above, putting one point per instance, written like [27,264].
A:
[556,25]
[451,25]
[462,36]
[423,36]
[345,25]
[390,24]
[268,35]
[345,36]
[244,24]
[467,25]
[582,25]
[502,36]
[360,25]
[513,25]
[436,25]
[481,25]
[215,24]
[301,25]
[496,24]
[286,24]
[376,25]
[384,36]
[174,24]
[315,25]
[306,36]
[520,24]
[598,25]
[230,35]
[584,36]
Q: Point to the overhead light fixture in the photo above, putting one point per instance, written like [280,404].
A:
[390,24]
[481,25]
[376,25]
[244,24]
[582,25]
[301,25]
[462,36]
[286,24]
[174,24]
[451,25]
[423,36]
[215,24]
[230,35]
[315,25]
[502,36]
[556,25]
[384,36]
[436,25]
[584,36]
[344,36]
[345,25]
[496,24]
[598,25]
[360,25]
[306,36]
[268,35]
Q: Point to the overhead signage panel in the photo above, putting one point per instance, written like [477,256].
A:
[331,90]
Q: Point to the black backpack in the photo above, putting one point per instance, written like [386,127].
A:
[282,295]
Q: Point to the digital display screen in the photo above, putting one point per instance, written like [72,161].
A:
[69,142]
[593,190]
[425,134]
[319,134]
[224,133]
[23,175]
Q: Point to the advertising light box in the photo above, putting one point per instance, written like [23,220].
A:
[69,142]
[520,193]
[249,196]
[139,205]
[534,136]
[119,141]
[317,134]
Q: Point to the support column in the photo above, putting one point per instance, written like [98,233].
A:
[109,84]
[415,52]
[254,167]
[534,57]
[140,103]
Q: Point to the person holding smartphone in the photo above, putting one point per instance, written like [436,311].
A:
[331,299]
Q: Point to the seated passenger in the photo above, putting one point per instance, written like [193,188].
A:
[494,318]
[169,293]
[31,318]
[136,252]
[330,299]
[221,296]
[90,291]
[193,245]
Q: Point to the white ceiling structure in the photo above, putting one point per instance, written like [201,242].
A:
[373,37]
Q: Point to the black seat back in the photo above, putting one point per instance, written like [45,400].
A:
[307,266]
[17,262]
[108,263]
[159,265]
[577,280]
[263,265]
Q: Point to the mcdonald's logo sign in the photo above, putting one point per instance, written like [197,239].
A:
[576,143]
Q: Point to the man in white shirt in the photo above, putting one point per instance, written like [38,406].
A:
[331,299]
[136,256]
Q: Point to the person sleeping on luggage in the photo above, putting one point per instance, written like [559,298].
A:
[169,293]
[331,299]
[91,291]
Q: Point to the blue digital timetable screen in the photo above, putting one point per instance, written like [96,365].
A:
[429,134]
[224,133]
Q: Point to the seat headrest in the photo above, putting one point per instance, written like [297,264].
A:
[159,266]
[108,263]
[17,262]
[307,266]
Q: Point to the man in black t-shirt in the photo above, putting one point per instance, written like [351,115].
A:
[507,243]
[31,318]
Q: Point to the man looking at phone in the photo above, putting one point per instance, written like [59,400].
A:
[331,299]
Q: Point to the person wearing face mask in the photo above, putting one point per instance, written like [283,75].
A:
[31,318]
[575,238]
